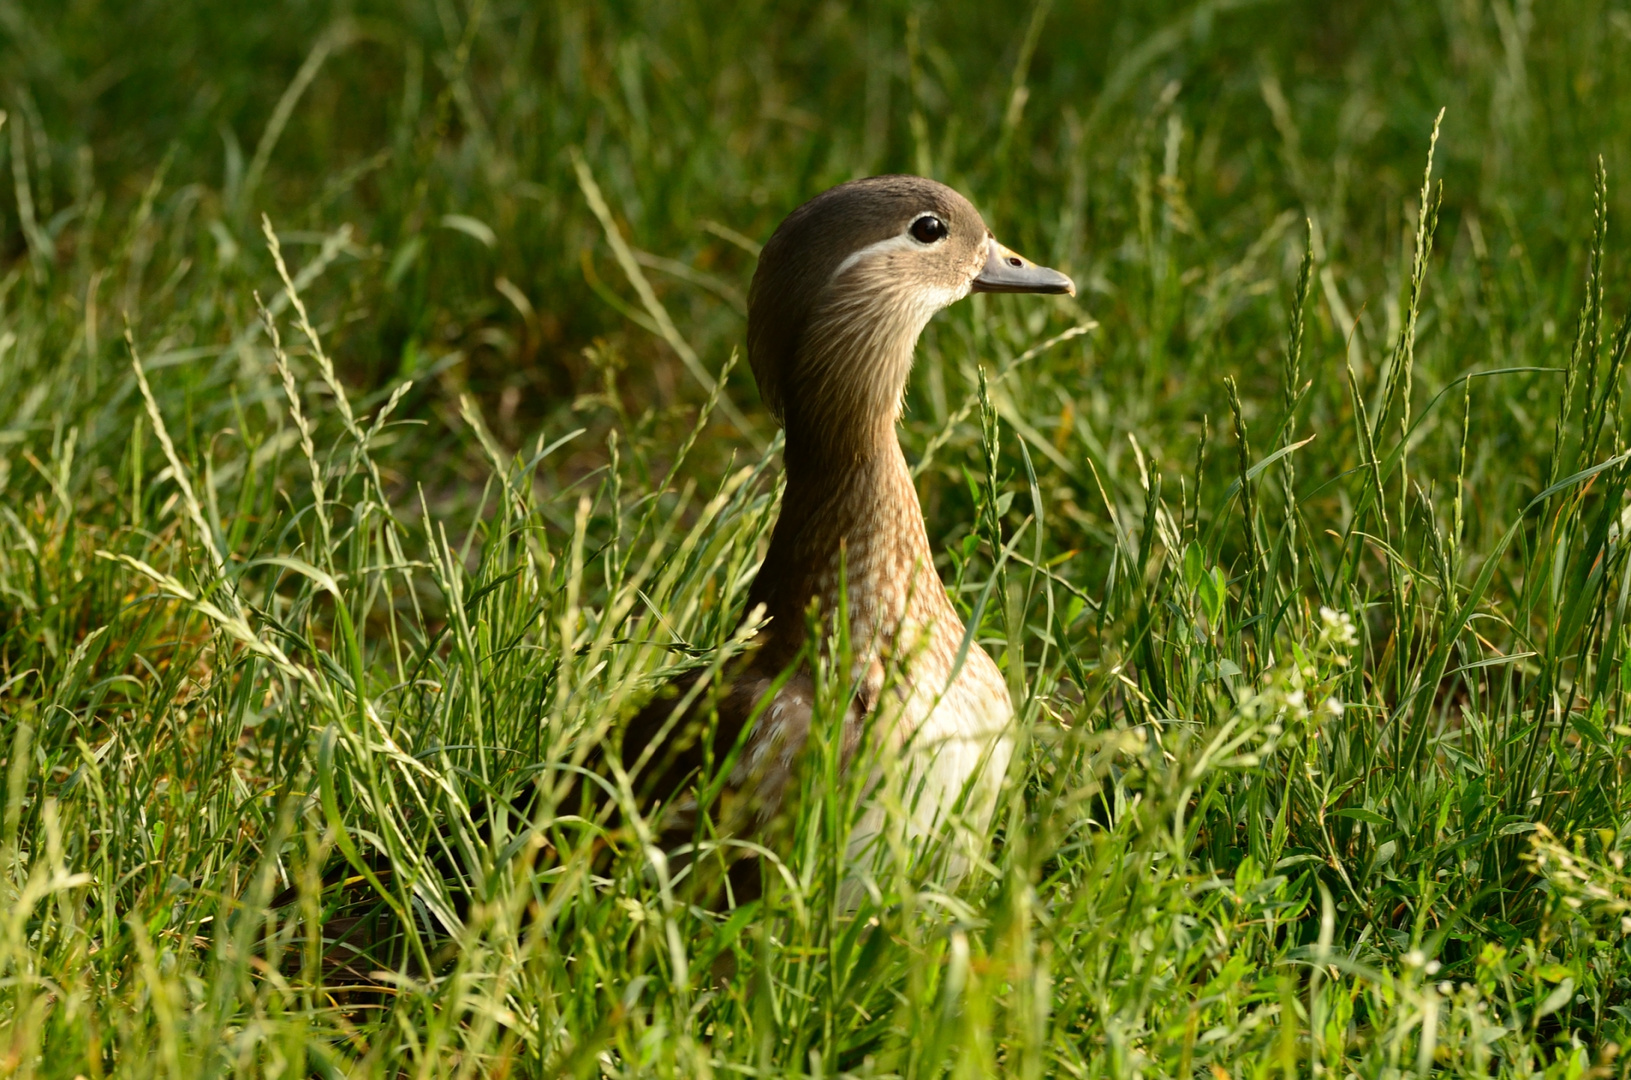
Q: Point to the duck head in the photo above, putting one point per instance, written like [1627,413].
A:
[845,286]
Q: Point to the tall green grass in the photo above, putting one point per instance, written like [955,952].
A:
[372,445]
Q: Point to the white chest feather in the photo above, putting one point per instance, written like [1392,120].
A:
[948,735]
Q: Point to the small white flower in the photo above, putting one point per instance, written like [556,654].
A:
[1338,627]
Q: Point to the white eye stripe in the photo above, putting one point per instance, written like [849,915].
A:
[902,242]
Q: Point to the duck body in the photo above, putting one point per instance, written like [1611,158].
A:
[854,541]
[842,292]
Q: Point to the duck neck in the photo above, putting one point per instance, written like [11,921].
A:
[849,515]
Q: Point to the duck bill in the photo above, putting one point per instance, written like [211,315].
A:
[1008,271]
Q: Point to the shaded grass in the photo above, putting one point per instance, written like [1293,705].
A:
[1301,544]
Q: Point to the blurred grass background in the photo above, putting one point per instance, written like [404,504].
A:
[248,633]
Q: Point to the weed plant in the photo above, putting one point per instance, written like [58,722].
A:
[372,444]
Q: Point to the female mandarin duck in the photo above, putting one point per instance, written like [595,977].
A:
[841,293]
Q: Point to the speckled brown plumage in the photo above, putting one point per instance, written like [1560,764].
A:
[842,291]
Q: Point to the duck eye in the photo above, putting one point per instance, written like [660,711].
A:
[928,229]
